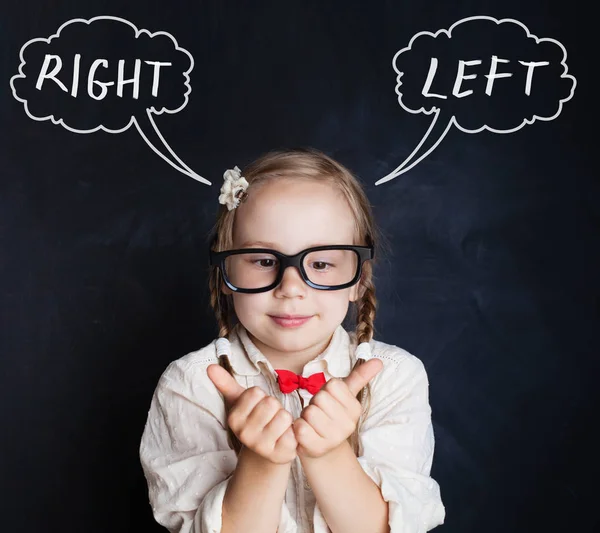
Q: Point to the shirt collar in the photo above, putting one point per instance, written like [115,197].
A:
[338,358]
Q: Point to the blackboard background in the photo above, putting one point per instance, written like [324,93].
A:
[492,280]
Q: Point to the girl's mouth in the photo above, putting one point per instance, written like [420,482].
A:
[290,321]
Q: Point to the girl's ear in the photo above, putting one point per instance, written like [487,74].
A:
[357,291]
[225,289]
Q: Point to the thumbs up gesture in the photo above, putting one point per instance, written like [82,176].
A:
[333,412]
[257,419]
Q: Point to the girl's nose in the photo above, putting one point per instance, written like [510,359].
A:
[291,284]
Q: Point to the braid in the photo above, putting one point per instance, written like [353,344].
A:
[220,304]
[366,307]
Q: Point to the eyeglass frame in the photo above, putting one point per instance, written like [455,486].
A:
[364,254]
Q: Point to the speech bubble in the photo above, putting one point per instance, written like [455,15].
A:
[481,74]
[105,74]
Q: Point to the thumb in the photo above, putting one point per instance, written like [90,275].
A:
[225,383]
[362,374]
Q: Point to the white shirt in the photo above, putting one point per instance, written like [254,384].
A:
[188,462]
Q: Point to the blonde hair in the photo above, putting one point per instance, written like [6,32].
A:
[303,163]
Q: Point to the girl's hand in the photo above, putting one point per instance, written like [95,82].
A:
[332,414]
[257,419]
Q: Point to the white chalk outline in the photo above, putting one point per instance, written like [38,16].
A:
[452,121]
[184,169]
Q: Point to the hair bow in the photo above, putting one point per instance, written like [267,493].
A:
[233,190]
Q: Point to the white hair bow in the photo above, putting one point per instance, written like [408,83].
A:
[233,190]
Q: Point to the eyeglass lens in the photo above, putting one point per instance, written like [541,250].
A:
[324,267]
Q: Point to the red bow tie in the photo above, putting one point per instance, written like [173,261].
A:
[290,381]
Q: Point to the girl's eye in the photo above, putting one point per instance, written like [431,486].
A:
[321,265]
[265,263]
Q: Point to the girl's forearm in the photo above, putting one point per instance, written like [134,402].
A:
[350,501]
[254,495]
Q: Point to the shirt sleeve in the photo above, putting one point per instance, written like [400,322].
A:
[185,453]
[396,445]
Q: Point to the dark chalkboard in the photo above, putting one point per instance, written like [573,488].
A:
[471,126]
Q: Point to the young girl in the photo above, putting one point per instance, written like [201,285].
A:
[287,422]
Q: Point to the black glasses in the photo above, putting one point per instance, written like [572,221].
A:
[327,268]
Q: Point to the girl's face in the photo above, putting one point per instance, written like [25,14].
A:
[290,216]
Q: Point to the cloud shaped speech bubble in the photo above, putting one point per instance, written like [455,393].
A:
[105,74]
[481,74]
